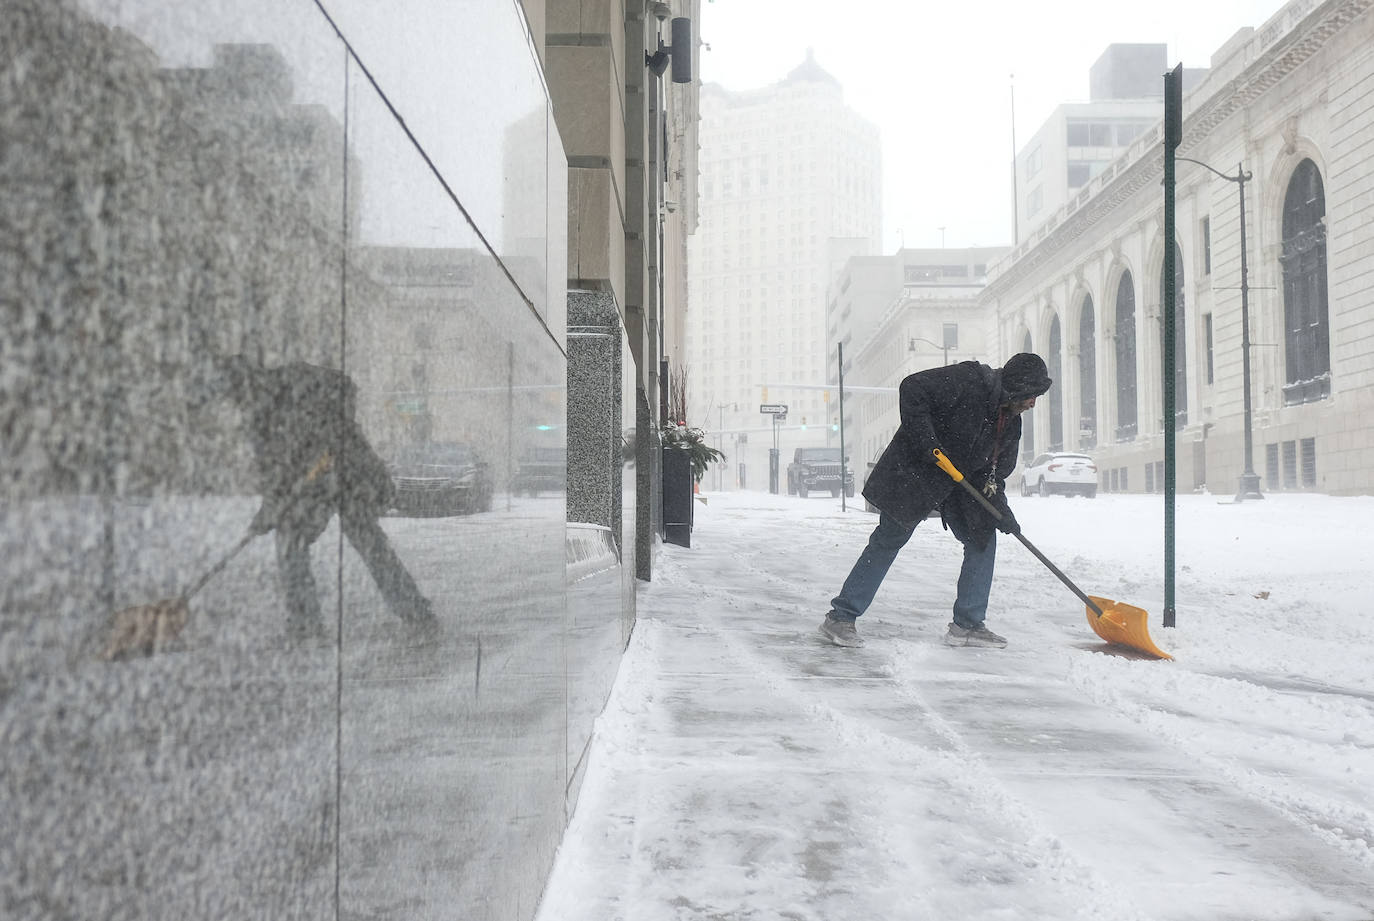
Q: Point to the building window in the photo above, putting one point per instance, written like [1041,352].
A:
[1033,163]
[1207,246]
[1127,133]
[1290,463]
[1087,376]
[1056,369]
[1079,174]
[1207,325]
[1126,410]
[1307,448]
[1307,343]
[1034,201]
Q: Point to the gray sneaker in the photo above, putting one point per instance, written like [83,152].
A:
[978,636]
[841,632]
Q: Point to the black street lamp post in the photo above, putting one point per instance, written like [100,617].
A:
[1249,480]
[911,346]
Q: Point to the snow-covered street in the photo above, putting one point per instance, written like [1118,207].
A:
[745,769]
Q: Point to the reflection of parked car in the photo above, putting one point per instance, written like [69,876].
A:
[440,478]
[1062,473]
[542,470]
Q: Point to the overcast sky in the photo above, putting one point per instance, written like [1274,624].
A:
[937,79]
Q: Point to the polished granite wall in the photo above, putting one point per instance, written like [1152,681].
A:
[600,500]
[282,288]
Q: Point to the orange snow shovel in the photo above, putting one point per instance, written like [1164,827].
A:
[1117,623]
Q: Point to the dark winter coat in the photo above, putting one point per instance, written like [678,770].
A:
[311,454]
[956,409]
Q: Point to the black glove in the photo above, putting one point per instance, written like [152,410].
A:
[1008,524]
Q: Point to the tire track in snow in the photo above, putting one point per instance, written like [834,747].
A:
[1178,713]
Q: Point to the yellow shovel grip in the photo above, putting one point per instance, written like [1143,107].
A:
[947,466]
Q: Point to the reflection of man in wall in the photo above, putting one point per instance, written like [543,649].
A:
[313,460]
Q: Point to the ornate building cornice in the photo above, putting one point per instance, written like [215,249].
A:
[1286,53]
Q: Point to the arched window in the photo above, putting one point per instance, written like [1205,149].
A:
[1056,368]
[1087,376]
[1180,339]
[1027,420]
[1307,342]
[1125,360]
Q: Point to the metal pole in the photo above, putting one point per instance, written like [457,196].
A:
[1249,482]
[844,467]
[773,462]
[1173,120]
[1015,203]
[720,444]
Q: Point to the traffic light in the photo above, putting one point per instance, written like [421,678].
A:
[803,423]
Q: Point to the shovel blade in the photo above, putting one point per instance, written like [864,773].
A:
[1123,625]
[145,629]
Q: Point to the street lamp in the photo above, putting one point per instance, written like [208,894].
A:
[720,442]
[911,346]
[1249,481]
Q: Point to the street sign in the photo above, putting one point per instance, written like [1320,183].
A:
[774,408]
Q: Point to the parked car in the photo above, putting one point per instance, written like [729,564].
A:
[542,470]
[1061,472]
[816,469]
[440,478]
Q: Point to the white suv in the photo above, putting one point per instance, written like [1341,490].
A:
[1069,474]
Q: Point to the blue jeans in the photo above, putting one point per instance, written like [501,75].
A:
[890,536]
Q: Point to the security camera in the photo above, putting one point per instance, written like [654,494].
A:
[661,10]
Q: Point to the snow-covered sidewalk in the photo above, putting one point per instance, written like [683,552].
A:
[744,769]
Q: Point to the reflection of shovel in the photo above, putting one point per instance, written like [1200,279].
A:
[146,629]
[1114,621]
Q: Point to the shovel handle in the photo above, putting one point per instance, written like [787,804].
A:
[213,571]
[321,465]
[947,466]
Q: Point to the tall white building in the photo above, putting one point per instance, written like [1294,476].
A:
[790,181]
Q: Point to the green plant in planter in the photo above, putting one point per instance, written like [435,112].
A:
[693,440]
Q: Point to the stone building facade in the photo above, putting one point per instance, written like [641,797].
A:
[1290,104]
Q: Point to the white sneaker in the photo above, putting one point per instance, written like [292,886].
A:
[978,636]
[841,632]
